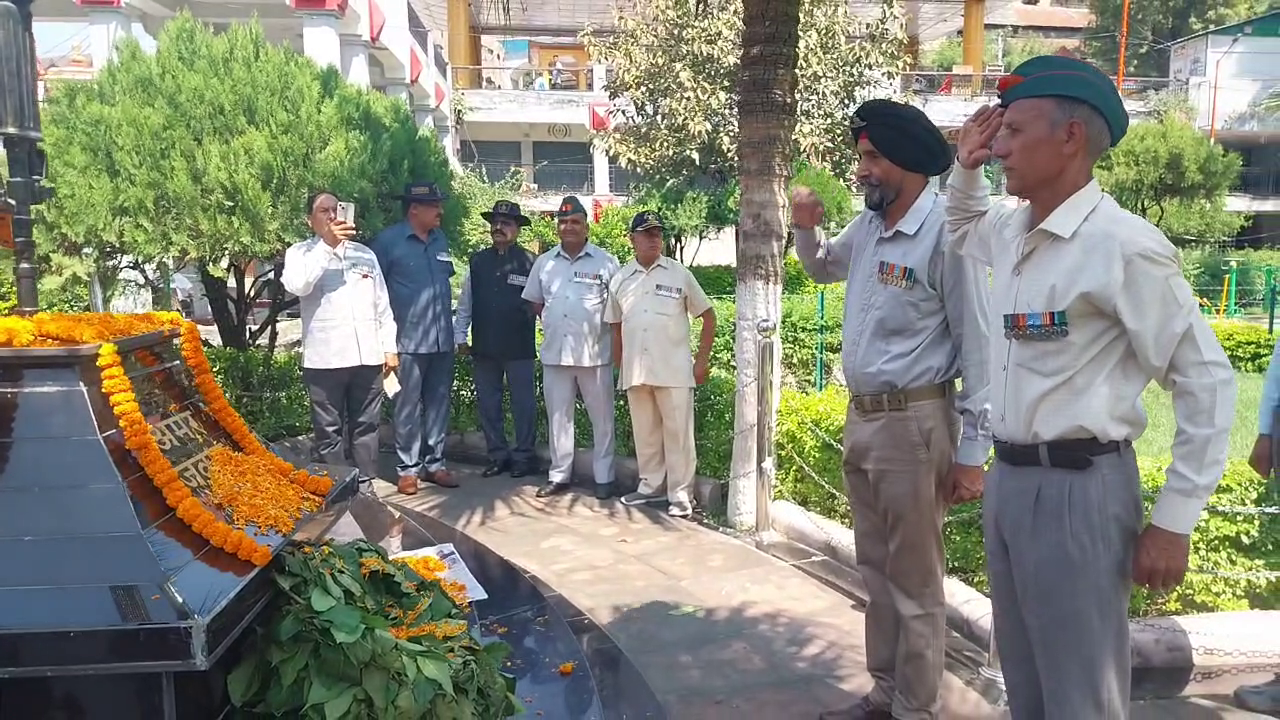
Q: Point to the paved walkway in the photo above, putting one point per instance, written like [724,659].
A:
[719,629]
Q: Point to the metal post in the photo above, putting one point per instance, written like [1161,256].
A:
[765,469]
[1232,310]
[20,128]
[819,375]
[1270,280]
[992,672]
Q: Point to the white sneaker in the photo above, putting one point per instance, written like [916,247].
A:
[680,509]
[639,498]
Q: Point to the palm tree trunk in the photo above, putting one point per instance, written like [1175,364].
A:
[766,121]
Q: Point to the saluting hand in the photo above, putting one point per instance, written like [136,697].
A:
[806,208]
[973,148]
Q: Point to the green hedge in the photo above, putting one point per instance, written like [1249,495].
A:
[722,280]
[810,425]
[809,428]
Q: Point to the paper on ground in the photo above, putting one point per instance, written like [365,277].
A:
[390,384]
[456,571]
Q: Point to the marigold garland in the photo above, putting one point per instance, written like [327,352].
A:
[52,329]
[429,568]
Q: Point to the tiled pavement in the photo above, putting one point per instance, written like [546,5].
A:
[719,629]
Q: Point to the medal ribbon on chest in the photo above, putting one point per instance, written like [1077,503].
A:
[1036,325]
[899,276]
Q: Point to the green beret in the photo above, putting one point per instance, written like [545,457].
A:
[571,206]
[904,135]
[1066,77]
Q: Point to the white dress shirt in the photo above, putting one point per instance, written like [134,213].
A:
[346,316]
[1131,318]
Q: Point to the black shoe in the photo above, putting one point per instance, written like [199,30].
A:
[495,468]
[521,469]
[604,491]
[552,488]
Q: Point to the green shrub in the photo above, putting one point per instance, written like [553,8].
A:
[1248,346]
[809,473]
[1205,268]
[266,390]
[721,281]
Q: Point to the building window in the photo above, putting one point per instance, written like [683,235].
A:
[494,159]
[563,167]
[622,181]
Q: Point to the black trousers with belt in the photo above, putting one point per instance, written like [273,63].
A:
[346,406]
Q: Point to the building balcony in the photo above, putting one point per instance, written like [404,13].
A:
[1257,190]
[554,180]
[982,86]
[526,78]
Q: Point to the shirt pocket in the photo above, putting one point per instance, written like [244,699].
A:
[904,311]
[667,306]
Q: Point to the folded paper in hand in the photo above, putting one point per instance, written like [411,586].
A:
[390,384]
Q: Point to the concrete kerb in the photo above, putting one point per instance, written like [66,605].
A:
[470,447]
[1183,642]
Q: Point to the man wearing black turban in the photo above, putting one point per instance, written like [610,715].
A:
[915,321]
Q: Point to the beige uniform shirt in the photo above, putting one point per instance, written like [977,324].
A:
[573,292]
[1131,318]
[654,307]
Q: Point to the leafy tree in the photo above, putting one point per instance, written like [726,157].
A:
[949,52]
[1154,24]
[204,153]
[675,71]
[1172,174]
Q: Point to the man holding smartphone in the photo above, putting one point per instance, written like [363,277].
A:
[348,335]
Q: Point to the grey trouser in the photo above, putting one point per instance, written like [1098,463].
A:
[489,375]
[422,410]
[1060,560]
[560,387]
[346,404]
[895,465]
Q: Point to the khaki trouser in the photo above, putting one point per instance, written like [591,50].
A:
[662,425]
[895,464]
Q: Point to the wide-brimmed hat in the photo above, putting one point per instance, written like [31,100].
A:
[509,209]
[645,220]
[422,192]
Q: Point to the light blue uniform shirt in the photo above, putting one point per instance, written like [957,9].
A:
[1270,393]
[417,275]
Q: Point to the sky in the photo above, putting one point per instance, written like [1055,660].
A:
[57,39]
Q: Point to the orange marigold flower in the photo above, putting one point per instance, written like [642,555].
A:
[566,668]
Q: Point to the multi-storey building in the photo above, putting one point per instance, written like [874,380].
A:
[1232,74]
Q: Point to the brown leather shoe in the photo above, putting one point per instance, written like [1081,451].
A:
[408,484]
[441,477]
[861,710]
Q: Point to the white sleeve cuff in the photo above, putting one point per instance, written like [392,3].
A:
[962,178]
[1176,513]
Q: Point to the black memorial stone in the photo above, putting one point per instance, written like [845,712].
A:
[111,607]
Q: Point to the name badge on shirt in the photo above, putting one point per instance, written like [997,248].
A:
[668,291]
[586,277]
[896,275]
[521,280]
[444,257]
[1036,325]
[364,271]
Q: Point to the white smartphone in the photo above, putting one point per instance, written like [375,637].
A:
[347,212]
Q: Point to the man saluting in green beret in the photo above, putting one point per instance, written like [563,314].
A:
[1093,307]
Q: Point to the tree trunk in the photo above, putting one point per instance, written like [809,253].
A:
[226,310]
[766,121]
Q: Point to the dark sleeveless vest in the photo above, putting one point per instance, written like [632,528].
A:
[502,328]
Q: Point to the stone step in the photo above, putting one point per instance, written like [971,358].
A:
[1190,709]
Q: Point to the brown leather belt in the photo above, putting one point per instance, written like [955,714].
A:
[899,399]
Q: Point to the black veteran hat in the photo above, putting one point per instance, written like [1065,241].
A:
[904,135]
[1058,76]
[645,220]
[422,192]
[571,205]
[506,208]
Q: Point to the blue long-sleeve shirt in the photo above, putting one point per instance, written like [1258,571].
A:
[1270,393]
[417,274]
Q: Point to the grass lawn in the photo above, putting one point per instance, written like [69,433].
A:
[1158,438]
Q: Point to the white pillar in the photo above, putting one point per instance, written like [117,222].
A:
[320,40]
[355,60]
[444,131]
[526,156]
[422,116]
[600,168]
[401,91]
[599,77]
[106,28]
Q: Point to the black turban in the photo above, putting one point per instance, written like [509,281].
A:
[904,135]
